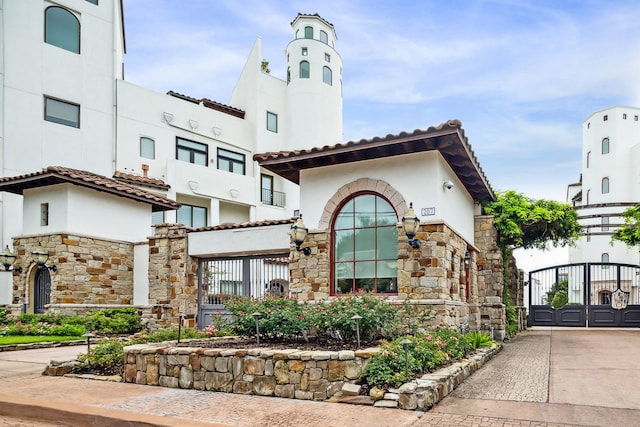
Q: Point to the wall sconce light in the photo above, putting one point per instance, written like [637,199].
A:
[298,233]
[7,258]
[40,257]
[410,225]
[448,185]
[467,260]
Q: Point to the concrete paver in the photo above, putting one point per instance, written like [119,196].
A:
[545,377]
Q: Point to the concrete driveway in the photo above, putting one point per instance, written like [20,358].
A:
[557,377]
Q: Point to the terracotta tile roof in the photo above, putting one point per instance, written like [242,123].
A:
[206,102]
[58,175]
[231,226]
[129,178]
[448,138]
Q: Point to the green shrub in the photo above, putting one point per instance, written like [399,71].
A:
[4,318]
[560,299]
[477,339]
[107,355]
[424,353]
[66,330]
[115,321]
[167,334]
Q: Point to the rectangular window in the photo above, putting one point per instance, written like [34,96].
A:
[191,151]
[44,214]
[605,223]
[605,118]
[147,148]
[624,116]
[635,118]
[61,112]
[272,122]
[157,218]
[192,216]
[327,57]
[323,37]
[305,51]
[230,161]
[267,194]
[93,1]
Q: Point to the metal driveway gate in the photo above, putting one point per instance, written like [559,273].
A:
[597,295]
[255,276]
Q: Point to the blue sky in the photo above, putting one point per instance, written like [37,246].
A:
[521,75]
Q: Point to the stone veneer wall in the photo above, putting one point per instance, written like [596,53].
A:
[173,280]
[292,374]
[432,277]
[489,277]
[89,270]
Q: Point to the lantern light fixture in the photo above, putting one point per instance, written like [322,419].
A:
[7,258]
[298,233]
[410,225]
[40,257]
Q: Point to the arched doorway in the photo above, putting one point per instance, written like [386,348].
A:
[41,290]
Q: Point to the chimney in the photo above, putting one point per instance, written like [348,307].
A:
[145,170]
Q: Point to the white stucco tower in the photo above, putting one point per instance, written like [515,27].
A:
[314,84]
[609,184]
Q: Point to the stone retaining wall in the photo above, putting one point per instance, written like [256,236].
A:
[293,374]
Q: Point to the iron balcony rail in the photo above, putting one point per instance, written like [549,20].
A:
[274,198]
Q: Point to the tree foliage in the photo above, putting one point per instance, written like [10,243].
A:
[629,233]
[527,223]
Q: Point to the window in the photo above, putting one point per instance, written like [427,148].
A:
[230,161]
[157,217]
[605,118]
[62,29]
[365,246]
[588,194]
[605,145]
[272,121]
[305,51]
[308,32]
[93,1]
[62,112]
[605,185]
[323,37]
[288,75]
[192,216]
[147,148]
[588,158]
[327,57]
[267,189]
[304,70]
[44,214]
[624,116]
[605,259]
[605,223]
[326,75]
[605,297]
[635,118]
[588,125]
[191,151]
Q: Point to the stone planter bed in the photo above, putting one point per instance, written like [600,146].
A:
[293,374]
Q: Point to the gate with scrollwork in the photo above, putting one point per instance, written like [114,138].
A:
[589,294]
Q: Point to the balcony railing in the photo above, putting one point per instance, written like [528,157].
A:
[273,198]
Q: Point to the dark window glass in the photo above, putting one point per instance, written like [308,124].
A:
[605,146]
[62,29]
[62,112]
[231,162]
[272,121]
[327,75]
[308,32]
[304,70]
[323,37]
[192,216]
[191,151]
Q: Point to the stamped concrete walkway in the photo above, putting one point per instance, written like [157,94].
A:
[559,377]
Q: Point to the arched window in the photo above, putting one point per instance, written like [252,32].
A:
[288,75]
[588,194]
[323,37]
[588,158]
[326,75]
[62,29]
[304,69]
[605,185]
[308,32]
[605,145]
[604,257]
[365,246]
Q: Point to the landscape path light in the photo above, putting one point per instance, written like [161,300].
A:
[356,318]
[405,345]
[88,336]
[256,315]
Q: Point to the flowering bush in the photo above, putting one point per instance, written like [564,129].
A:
[424,353]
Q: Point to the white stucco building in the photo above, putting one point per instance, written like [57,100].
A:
[64,103]
[609,184]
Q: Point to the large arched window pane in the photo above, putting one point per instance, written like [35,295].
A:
[605,185]
[304,70]
[62,29]
[365,246]
[326,75]
[308,32]
[605,146]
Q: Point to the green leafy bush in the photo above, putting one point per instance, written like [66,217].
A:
[560,299]
[107,355]
[4,318]
[477,339]
[115,321]
[391,366]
